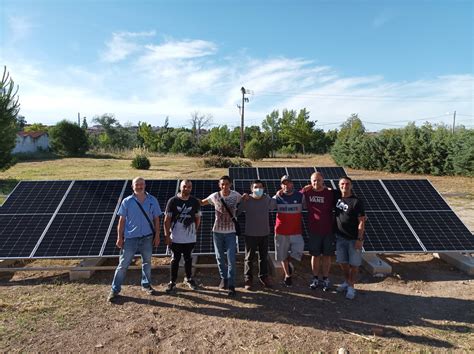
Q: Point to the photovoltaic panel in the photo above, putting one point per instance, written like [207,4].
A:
[74,235]
[373,195]
[20,233]
[271,172]
[32,197]
[161,189]
[93,197]
[415,194]
[203,188]
[441,231]
[243,173]
[303,173]
[204,242]
[388,232]
[242,186]
[331,172]
[272,186]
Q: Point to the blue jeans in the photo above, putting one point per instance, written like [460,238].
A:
[225,243]
[131,246]
[346,252]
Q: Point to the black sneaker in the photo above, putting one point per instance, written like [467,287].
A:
[170,287]
[231,291]
[314,283]
[326,285]
[190,283]
[223,284]
[112,296]
[287,281]
[291,268]
[149,290]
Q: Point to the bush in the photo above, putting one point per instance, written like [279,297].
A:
[224,162]
[288,151]
[255,150]
[141,162]
[68,139]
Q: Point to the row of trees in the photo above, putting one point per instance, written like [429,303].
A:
[428,149]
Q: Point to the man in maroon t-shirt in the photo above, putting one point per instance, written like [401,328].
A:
[320,205]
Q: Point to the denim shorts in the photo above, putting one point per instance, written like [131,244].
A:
[346,252]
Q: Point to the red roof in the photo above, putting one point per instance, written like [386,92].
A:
[34,135]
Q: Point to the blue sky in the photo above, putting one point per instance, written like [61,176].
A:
[389,61]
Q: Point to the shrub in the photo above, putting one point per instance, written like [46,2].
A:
[68,139]
[224,162]
[255,150]
[141,161]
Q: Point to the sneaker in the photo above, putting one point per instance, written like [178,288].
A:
[223,284]
[190,283]
[112,296]
[248,284]
[266,281]
[231,291]
[326,285]
[314,283]
[291,268]
[343,287]
[149,290]
[170,287]
[287,281]
[351,293]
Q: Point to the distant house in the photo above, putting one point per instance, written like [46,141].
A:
[31,142]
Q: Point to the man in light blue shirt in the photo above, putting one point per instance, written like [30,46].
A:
[138,231]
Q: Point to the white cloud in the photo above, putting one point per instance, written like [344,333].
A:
[178,77]
[123,44]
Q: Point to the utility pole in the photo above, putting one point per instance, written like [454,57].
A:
[78,118]
[454,120]
[242,113]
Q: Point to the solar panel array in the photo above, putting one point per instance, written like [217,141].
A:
[77,219]
[275,173]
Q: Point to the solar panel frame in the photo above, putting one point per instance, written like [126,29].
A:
[302,173]
[428,225]
[331,172]
[373,195]
[88,196]
[267,173]
[388,232]
[21,202]
[415,195]
[243,173]
[31,228]
[161,189]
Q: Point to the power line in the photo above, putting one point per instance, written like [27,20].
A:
[365,97]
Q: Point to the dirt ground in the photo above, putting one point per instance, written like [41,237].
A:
[424,305]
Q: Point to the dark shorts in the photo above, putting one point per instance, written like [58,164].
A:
[322,245]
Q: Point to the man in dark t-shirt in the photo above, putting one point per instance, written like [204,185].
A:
[320,204]
[183,216]
[350,229]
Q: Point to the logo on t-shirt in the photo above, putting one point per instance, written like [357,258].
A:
[316,199]
[341,205]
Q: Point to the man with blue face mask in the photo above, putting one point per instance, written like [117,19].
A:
[256,207]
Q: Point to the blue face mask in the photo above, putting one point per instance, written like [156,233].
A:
[258,192]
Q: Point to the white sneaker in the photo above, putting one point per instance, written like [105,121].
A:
[343,287]
[351,293]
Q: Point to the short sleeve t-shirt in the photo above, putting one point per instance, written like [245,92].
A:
[136,224]
[257,215]
[223,222]
[288,218]
[348,211]
[183,215]
[320,207]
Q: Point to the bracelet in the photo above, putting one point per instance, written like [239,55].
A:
[360,239]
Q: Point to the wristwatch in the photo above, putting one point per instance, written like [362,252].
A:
[360,239]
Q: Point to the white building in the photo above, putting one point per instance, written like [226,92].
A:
[31,142]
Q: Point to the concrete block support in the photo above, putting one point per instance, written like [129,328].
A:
[78,273]
[462,261]
[374,265]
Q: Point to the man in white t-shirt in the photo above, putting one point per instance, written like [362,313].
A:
[223,231]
